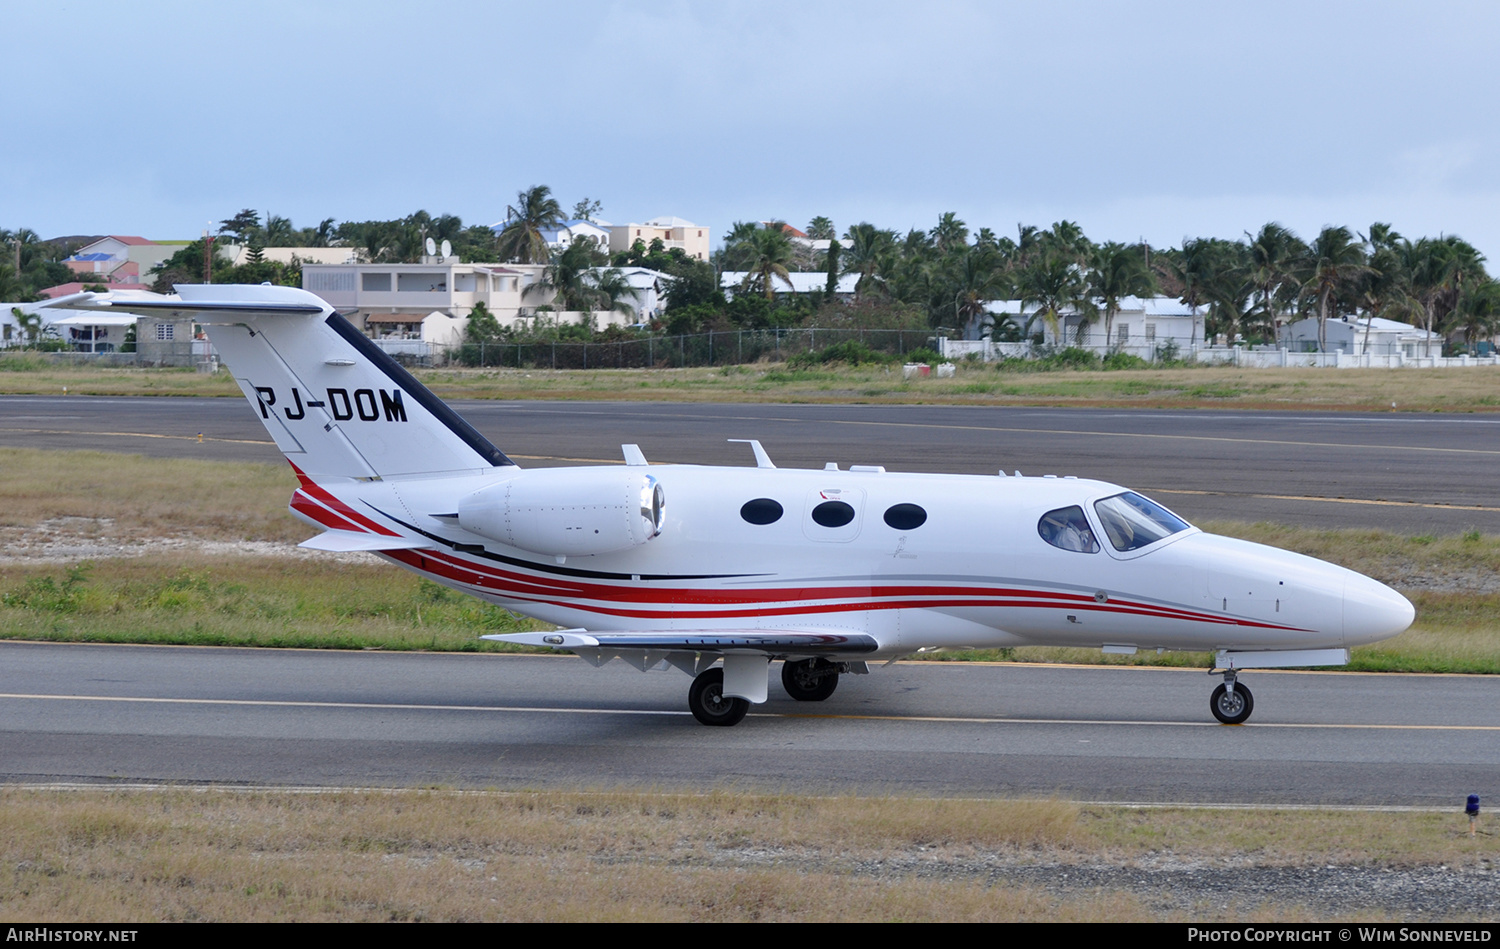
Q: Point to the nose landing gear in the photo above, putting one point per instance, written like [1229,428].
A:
[1231,702]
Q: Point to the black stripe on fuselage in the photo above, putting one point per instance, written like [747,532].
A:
[423,396]
[557,569]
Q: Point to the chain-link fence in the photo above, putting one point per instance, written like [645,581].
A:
[733,347]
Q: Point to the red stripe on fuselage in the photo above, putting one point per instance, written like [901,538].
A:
[550,587]
[775,602]
[318,492]
[304,504]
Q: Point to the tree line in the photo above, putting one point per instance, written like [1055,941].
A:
[940,278]
[1250,287]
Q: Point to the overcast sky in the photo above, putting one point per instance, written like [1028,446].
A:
[1161,120]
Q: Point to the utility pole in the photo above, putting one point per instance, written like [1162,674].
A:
[208,257]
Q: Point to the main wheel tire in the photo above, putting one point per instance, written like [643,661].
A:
[809,680]
[708,703]
[1231,708]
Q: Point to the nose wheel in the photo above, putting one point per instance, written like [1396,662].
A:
[1231,702]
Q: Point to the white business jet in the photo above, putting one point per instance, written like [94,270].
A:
[720,571]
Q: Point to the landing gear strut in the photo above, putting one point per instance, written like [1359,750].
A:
[1231,702]
[708,703]
[809,680]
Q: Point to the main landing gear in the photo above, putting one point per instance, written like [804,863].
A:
[708,703]
[809,680]
[806,680]
[1231,702]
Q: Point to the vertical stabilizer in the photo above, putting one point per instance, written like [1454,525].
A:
[334,402]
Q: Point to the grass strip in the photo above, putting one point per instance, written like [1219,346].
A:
[265,855]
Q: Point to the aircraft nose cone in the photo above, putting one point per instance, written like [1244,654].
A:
[1373,611]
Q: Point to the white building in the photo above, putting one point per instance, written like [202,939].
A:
[1141,327]
[428,302]
[650,288]
[730,281]
[403,305]
[1349,335]
[560,238]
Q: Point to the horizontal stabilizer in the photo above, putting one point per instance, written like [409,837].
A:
[347,541]
[769,642]
[211,303]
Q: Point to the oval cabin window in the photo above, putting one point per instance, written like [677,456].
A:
[832,514]
[905,517]
[761,511]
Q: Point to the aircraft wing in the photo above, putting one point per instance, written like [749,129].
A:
[746,652]
[767,642]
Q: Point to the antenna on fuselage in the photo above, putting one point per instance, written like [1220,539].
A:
[762,460]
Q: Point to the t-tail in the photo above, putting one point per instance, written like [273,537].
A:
[335,403]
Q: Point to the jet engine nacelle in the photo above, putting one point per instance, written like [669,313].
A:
[567,511]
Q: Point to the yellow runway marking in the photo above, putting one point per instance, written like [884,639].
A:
[186,438]
[1301,497]
[388,706]
[923,719]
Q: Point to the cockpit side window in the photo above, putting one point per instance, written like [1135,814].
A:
[1068,529]
[1132,522]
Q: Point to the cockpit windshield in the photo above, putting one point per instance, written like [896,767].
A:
[1132,522]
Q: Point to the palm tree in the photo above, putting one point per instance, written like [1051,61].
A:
[1118,271]
[1387,288]
[1054,283]
[611,291]
[1476,313]
[1336,261]
[277,232]
[1067,239]
[1440,268]
[950,233]
[976,281]
[820,228]
[1196,267]
[869,252]
[567,276]
[771,251]
[521,240]
[1274,253]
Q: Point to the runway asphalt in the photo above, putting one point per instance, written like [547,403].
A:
[120,713]
[1414,474]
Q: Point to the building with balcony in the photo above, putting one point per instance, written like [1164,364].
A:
[671,231]
[429,302]
[121,259]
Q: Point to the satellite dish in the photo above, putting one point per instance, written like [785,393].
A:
[447,249]
[431,247]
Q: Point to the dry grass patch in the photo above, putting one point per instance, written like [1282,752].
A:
[131,497]
[1412,390]
[1287,838]
[440,855]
